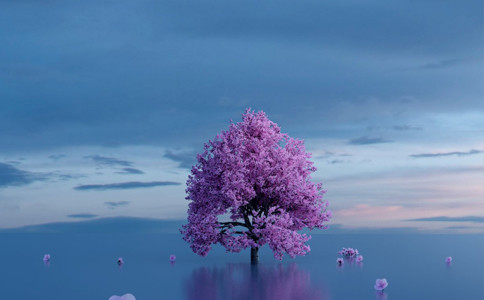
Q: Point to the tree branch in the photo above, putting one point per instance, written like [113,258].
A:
[227,224]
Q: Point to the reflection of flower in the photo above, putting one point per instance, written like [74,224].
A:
[172,258]
[46,258]
[120,261]
[381,284]
[245,281]
[380,295]
[448,259]
[123,297]
[359,258]
[339,261]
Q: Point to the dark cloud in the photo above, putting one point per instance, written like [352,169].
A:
[123,225]
[341,229]
[406,127]
[11,176]
[329,154]
[65,177]
[186,159]
[82,216]
[473,219]
[461,227]
[109,161]
[336,161]
[105,89]
[115,204]
[131,171]
[457,153]
[123,185]
[366,140]
[57,156]
[447,63]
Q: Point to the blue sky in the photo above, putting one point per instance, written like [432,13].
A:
[104,105]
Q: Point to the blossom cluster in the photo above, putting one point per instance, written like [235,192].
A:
[348,252]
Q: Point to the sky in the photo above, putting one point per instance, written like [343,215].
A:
[105,104]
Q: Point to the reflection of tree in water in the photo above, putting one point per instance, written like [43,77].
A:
[253,282]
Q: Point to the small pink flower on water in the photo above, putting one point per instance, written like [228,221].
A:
[339,261]
[448,259]
[124,297]
[359,258]
[348,252]
[381,284]
[120,261]
[172,258]
[46,257]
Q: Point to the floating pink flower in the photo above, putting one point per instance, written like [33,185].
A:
[172,258]
[359,258]
[123,297]
[339,261]
[120,261]
[448,259]
[46,257]
[381,284]
[348,252]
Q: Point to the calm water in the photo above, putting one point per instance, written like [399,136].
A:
[83,266]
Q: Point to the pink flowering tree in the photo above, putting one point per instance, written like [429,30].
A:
[252,186]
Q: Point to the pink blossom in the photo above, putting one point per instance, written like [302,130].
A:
[381,284]
[120,261]
[448,259]
[124,297]
[359,258]
[172,258]
[348,252]
[260,178]
[340,261]
[46,257]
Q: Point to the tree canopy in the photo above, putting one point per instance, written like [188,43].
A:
[252,186]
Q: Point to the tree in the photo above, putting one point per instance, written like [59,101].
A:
[251,186]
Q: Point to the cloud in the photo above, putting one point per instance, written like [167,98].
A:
[105,225]
[82,216]
[369,210]
[366,140]
[473,219]
[115,204]
[317,55]
[458,153]
[406,127]
[341,229]
[446,63]
[336,161]
[186,159]
[461,227]
[11,176]
[109,161]
[124,185]
[57,156]
[329,154]
[131,171]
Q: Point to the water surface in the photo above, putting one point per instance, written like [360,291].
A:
[83,266]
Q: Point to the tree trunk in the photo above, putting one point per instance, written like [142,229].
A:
[254,255]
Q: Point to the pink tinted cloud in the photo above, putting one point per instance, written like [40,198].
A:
[365,210]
